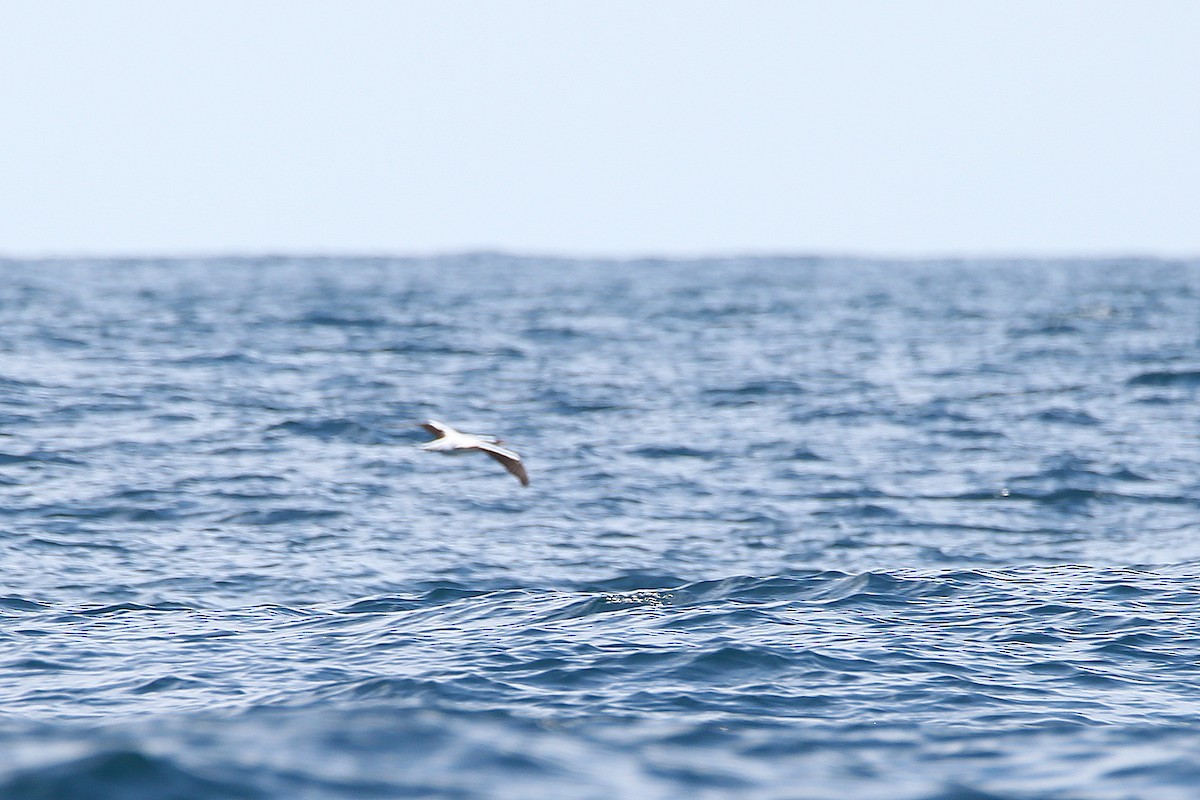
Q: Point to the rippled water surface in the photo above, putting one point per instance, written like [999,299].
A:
[796,529]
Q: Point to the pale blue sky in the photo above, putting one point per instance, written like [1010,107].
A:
[620,127]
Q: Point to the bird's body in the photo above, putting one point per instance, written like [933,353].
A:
[449,440]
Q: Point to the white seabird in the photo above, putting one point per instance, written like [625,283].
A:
[449,440]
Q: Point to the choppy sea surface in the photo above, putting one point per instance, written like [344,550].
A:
[797,528]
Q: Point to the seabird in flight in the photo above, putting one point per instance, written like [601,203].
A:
[449,440]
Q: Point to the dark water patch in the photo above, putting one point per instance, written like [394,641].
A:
[743,589]
[879,589]
[120,775]
[857,493]
[382,605]
[167,683]
[1126,474]
[173,419]
[804,454]
[330,430]
[1066,416]
[127,513]
[64,342]
[408,692]
[972,433]
[282,516]
[753,392]
[127,608]
[676,451]
[1071,481]
[35,665]
[235,479]
[229,358]
[1064,497]
[583,402]
[8,383]
[864,512]
[550,334]
[1050,328]
[16,603]
[418,348]
[38,457]
[341,321]
[249,496]
[707,619]
[9,421]
[631,582]
[79,544]
[1166,378]
[738,664]
[434,596]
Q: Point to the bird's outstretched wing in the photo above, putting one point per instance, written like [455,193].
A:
[436,428]
[510,460]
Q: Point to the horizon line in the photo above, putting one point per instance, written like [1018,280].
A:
[318,254]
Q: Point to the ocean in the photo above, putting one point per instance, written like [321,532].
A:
[797,528]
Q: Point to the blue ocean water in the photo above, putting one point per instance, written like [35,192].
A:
[797,528]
